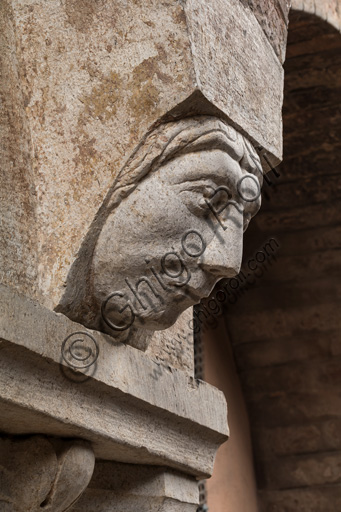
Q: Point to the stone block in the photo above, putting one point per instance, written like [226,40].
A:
[304,438]
[40,473]
[272,15]
[262,326]
[127,488]
[130,408]
[91,80]
[304,471]
[315,499]
[282,408]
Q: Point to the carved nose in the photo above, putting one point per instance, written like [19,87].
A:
[221,260]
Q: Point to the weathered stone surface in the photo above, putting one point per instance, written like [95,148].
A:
[131,409]
[18,198]
[94,76]
[169,229]
[272,15]
[91,80]
[28,469]
[88,89]
[222,65]
[76,462]
[124,487]
[37,473]
[174,346]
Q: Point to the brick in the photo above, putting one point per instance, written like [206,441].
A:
[267,325]
[304,471]
[298,219]
[306,346]
[320,499]
[302,438]
[284,409]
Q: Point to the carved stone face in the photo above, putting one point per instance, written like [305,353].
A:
[178,233]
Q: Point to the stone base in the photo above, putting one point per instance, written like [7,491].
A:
[131,488]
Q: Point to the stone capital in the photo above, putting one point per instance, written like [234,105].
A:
[40,474]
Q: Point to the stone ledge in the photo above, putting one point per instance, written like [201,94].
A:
[116,487]
[131,409]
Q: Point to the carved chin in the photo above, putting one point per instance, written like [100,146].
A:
[162,319]
[165,315]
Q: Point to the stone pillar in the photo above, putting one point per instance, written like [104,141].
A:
[125,406]
[83,84]
[111,110]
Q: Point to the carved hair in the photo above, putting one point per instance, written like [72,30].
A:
[172,139]
[163,143]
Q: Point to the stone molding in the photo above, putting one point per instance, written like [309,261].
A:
[41,475]
[125,487]
[129,412]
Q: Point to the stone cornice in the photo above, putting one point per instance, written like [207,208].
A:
[131,409]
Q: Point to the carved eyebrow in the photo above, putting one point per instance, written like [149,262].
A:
[223,172]
[212,182]
[203,180]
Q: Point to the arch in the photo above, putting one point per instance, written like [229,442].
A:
[327,11]
[284,328]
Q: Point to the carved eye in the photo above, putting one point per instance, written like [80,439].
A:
[220,198]
[195,196]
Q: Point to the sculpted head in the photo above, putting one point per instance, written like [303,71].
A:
[170,228]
